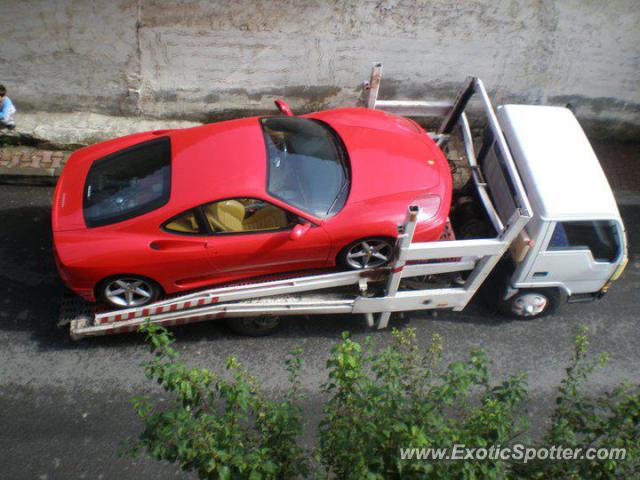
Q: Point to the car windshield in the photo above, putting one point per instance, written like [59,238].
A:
[128,183]
[307,164]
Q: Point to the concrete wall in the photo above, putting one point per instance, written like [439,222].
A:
[203,60]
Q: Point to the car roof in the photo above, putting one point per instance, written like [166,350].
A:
[221,160]
[560,171]
[229,159]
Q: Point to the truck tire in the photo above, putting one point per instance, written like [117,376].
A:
[254,326]
[531,303]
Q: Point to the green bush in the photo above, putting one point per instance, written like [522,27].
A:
[217,426]
[610,420]
[391,398]
[380,400]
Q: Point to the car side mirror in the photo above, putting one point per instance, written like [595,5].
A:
[299,230]
[284,108]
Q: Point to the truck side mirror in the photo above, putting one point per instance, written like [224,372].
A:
[299,230]
[284,108]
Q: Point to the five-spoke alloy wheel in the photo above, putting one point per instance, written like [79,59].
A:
[127,292]
[366,253]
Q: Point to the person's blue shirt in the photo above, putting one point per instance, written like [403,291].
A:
[7,114]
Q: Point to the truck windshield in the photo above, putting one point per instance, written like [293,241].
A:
[307,164]
[601,237]
[128,183]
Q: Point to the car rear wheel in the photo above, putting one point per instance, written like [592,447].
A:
[127,291]
[366,253]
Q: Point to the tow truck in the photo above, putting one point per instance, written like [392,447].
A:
[533,225]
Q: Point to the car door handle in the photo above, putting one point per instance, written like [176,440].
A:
[540,274]
[178,245]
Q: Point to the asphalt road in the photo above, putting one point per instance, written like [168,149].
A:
[64,406]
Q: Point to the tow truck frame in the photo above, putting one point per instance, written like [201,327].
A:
[375,293]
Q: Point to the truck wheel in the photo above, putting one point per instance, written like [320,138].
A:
[528,304]
[127,291]
[254,326]
[366,253]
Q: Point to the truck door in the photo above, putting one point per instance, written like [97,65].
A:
[581,255]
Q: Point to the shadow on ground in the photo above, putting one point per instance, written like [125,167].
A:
[34,292]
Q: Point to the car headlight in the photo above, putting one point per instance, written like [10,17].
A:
[429,205]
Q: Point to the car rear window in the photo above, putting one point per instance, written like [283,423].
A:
[128,183]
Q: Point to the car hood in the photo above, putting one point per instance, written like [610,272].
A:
[389,155]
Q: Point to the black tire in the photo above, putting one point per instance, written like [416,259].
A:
[494,288]
[516,306]
[342,259]
[105,291]
[254,326]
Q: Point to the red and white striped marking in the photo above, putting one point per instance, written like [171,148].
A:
[111,317]
[165,323]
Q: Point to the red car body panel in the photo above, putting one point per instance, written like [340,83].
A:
[393,162]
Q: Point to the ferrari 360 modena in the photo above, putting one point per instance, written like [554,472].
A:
[169,211]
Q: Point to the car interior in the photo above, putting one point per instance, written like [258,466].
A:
[236,215]
[185,223]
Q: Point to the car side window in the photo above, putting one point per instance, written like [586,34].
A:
[184,223]
[243,215]
[600,237]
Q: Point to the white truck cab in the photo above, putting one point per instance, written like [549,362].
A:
[575,241]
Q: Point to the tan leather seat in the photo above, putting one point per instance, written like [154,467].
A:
[267,218]
[184,224]
[226,216]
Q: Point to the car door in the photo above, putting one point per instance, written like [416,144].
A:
[251,236]
[179,249]
[582,255]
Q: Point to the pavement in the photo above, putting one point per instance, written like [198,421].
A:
[31,164]
[69,130]
[64,405]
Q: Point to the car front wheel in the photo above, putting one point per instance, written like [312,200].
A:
[127,291]
[366,253]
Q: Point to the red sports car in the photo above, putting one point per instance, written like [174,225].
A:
[172,210]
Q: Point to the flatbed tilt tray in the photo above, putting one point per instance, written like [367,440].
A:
[375,293]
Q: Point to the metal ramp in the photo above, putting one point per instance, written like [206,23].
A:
[375,293]
[276,297]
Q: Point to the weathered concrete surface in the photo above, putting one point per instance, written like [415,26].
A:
[62,56]
[202,60]
[69,130]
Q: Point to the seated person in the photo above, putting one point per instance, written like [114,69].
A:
[7,110]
